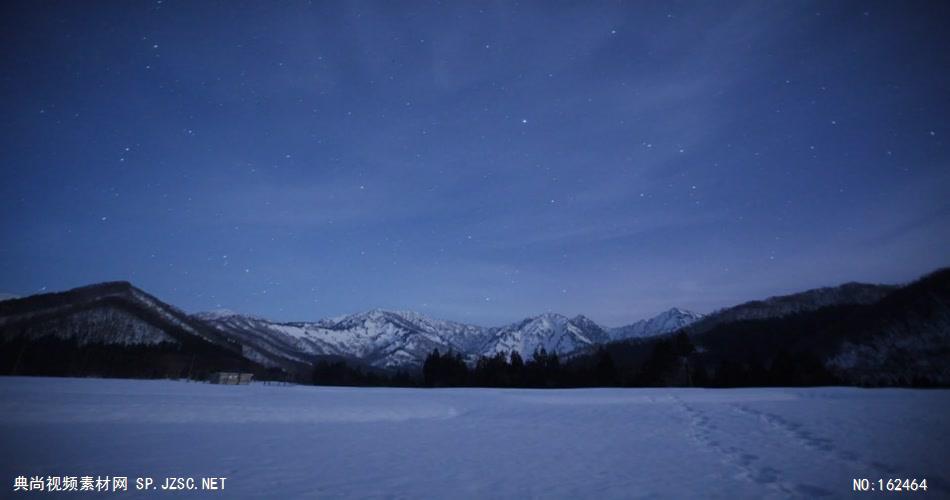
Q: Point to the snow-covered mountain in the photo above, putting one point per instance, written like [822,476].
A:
[111,329]
[384,339]
[550,331]
[106,313]
[390,339]
[271,344]
[663,323]
[901,339]
[118,314]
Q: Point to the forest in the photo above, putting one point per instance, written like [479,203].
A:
[671,362]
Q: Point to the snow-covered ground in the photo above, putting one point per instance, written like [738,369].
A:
[316,442]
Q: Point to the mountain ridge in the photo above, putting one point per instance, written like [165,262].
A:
[118,313]
[388,338]
[111,328]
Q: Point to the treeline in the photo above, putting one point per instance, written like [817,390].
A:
[342,373]
[51,356]
[501,370]
[789,350]
[671,362]
[676,362]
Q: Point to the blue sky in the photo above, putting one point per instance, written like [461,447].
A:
[477,162]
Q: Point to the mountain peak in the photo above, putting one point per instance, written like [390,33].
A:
[551,316]
[379,314]
[120,285]
[667,321]
[580,319]
[676,311]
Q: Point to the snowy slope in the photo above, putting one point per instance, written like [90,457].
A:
[107,313]
[323,442]
[268,343]
[389,339]
[111,329]
[385,339]
[103,325]
[663,323]
[552,332]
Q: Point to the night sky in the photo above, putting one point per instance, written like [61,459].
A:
[472,161]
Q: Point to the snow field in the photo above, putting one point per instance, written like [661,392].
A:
[316,442]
